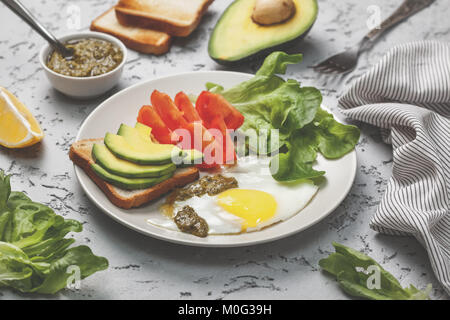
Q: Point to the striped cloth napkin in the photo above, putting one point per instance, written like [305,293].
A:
[407,95]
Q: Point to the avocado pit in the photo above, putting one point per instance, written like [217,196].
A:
[237,38]
[269,12]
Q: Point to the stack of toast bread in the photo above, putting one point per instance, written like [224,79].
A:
[148,25]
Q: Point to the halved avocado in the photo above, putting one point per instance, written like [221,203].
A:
[124,168]
[236,37]
[130,145]
[127,183]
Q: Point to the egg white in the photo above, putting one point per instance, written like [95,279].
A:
[252,173]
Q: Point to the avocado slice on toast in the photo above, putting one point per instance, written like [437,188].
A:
[128,183]
[127,169]
[130,144]
[191,158]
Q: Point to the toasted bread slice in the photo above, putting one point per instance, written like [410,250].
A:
[176,17]
[139,39]
[80,154]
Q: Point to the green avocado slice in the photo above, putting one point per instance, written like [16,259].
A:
[144,130]
[124,168]
[191,158]
[129,144]
[128,183]
[236,37]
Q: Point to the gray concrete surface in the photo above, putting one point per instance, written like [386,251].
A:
[145,268]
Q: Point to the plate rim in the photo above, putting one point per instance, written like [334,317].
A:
[193,243]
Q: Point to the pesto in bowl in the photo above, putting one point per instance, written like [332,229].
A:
[92,57]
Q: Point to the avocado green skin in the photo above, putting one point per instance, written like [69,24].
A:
[127,183]
[192,158]
[109,162]
[263,52]
[260,55]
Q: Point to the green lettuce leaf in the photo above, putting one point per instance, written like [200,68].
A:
[325,135]
[352,271]
[268,102]
[5,190]
[277,63]
[34,253]
[333,138]
[297,163]
[57,276]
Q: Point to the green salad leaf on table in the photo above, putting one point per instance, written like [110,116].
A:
[269,102]
[350,267]
[34,253]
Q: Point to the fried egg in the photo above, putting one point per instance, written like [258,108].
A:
[258,202]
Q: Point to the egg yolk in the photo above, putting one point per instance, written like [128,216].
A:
[253,206]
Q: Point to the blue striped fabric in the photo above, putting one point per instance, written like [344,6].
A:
[407,94]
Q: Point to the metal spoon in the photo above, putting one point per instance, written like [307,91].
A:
[26,16]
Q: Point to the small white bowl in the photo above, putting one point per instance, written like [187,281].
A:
[83,87]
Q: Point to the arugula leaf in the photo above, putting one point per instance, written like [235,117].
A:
[34,255]
[268,102]
[353,270]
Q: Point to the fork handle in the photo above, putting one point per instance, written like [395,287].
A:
[407,9]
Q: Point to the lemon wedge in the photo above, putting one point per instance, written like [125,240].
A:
[18,127]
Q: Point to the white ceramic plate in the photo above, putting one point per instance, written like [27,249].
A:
[123,107]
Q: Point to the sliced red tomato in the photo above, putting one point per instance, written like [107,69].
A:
[211,105]
[148,116]
[172,117]
[204,127]
[168,111]
[228,152]
[200,137]
[185,105]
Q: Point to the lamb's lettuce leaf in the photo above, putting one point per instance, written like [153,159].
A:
[333,138]
[277,63]
[268,102]
[5,191]
[297,163]
[34,253]
[353,271]
[325,135]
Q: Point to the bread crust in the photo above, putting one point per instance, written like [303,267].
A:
[138,44]
[80,154]
[138,18]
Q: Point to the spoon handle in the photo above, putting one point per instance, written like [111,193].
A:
[26,16]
